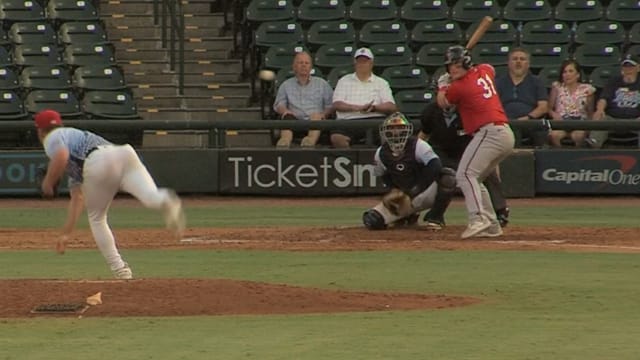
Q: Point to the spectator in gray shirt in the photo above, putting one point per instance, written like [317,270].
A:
[303,97]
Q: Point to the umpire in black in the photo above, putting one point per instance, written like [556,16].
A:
[443,130]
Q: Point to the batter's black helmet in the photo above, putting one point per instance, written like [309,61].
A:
[457,54]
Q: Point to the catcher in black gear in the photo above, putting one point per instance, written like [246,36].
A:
[443,130]
[412,171]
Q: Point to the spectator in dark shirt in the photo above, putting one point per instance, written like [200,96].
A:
[523,96]
[619,100]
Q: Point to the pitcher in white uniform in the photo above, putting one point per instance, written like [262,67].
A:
[97,170]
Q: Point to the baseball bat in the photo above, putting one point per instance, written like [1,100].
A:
[485,24]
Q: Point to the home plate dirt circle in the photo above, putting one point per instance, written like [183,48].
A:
[193,297]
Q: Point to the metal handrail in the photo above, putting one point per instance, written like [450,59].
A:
[169,14]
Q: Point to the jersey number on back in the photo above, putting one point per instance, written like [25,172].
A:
[487,85]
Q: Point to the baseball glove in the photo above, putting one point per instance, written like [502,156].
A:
[398,202]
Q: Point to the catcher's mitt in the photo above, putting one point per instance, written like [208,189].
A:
[398,202]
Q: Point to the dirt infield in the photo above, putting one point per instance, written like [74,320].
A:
[163,297]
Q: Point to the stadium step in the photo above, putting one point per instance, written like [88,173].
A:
[209,113]
[231,89]
[170,77]
[209,43]
[146,6]
[133,20]
[217,66]
[133,54]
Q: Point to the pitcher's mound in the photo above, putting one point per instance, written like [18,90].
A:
[188,297]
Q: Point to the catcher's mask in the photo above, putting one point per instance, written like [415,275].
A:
[395,131]
[457,54]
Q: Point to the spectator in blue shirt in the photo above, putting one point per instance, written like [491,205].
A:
[303,97]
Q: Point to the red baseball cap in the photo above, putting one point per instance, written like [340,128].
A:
[46,119]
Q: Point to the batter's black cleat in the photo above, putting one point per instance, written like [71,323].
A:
[503,216]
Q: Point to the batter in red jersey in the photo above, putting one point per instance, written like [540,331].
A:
[471,89]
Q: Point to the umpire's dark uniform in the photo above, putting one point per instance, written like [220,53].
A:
[443,131]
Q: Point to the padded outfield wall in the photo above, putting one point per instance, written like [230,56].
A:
[327,172]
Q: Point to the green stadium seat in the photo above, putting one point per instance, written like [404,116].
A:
[36,54]
[413,11]
[546,32]
[98,77]
[80,32]
[99,104]
[45,77]
[526,10]
[11,106]
[600,31]
[427,32]
[63,101]
[594,55]
[6,58]
[391,55]
[334,55]
[383,32]
[330,32]
[431,55]
[491,53]
[281,56]
[9,79]
[60,11]
[625,11]
[278,32]
[413,102]
[311,11]
[468,11]
[12,11]
[362,11]
[578,10]
[260,11]
[406,77]
[633,35]
[34,32]
[500,31]
[337,72]
[88,54]
[543,55]
[601,75]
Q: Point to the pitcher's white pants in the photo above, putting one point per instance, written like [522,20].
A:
[106,171]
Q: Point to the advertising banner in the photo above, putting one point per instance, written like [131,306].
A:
[18,172]
[298,172]
[587,172]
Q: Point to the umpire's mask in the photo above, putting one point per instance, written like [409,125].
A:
[395,131]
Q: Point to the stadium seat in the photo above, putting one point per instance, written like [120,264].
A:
[60,11]
[362,11]
[98,77]
[11,106]
[12,11]
[594,55]
[311,11]
[413,102]
[100,104]
[601,75]
[4,37]
[546,32]
[36,54]
[32,33]
[625,11]
[45,77]
[337,72]
[431,55]
[491,53]
[63,101]
[334,55]
[413,11]
[391,55]
[260,11]
[80,32]
[578,10]
[406,77]
[427,32]
[9,79]
[468,11]
[500,31]
[600,31]
[543,55]
[6,59]
[278,32]
[280,56]
[549,74]
[89,54]
[383,32]
[330,32]
[633,35]
[526,10]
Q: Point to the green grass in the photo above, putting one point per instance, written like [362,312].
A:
[536,305]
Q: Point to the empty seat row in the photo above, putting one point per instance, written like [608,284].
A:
[43,32]
[83,78]
[58,11]
[45,54]
[465,11]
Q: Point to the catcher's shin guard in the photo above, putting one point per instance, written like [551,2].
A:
[373,220]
